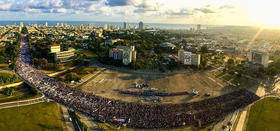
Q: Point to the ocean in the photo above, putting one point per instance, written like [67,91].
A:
[95,23]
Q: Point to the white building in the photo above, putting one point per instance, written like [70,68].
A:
[21,24]
[125,53]
[141,26]
[198,27]
[54,48]
[61,56]
[105,27]
[125,26]
[111,42]
[258,57]
[64,56]
[168,45]
[189,58]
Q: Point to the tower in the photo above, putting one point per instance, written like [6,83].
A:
[124,25]
[141,26]
[105,27]
[198,27]
[21,24]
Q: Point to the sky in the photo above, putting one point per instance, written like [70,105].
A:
[211,12]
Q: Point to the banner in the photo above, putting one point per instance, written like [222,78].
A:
[116,53]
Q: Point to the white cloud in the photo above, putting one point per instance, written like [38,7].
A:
[4,6]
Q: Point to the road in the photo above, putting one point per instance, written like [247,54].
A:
[89,122]
[67,124]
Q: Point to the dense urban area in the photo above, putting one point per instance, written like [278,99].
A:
[87,77]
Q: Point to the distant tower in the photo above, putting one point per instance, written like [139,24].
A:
[19,29]
[124,25]
[82,28]
[21,24]
[141,26]
[198,27]
[57,24]
[105,27]
[61,25]
[46,24]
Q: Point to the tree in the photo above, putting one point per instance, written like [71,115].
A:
[2,59]
[224,127]
[230,64]
[72,76]
[24,30]
[204,49]
[34,91]
[43,62]
[203,63]
[9,91]
[229,124]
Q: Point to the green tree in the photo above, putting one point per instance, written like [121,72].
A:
[2,59]
[72,77]
[204,49]
[229,124]
[230,64]
[9,91]
[224,127]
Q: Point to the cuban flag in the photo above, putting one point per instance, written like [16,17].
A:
[119,119]
[116,55]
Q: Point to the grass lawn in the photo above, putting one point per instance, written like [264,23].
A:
[228,77]
[4,66]
[8,78]
[23,96]
[264,115]
[21,93]
[38,117]
[89,54]
[217,73]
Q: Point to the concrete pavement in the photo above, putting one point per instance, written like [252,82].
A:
[67,124]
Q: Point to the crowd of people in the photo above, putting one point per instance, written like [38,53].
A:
[153,93]
[137,115]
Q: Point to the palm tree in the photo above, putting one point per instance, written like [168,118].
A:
[229,125]
[224,127]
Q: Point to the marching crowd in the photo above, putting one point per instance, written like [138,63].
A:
[153,93]
[136,115]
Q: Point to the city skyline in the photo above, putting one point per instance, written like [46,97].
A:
[218,12]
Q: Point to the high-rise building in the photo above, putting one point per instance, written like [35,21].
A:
[125,25]
[189,58]
[258,57]
[82,28]
[125,53]
[105,27]
[57,24]
[46,24]
[21,24]
[198,27]
[61,25]
[141,26]
[54,48]
[19,29]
